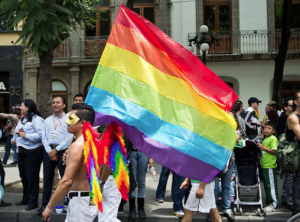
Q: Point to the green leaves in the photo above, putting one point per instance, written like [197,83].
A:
[279,8]
[45,23]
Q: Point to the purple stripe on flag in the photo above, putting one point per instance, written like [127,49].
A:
[182,164]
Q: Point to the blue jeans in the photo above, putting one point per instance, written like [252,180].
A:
[177,193]
[219,188]
[15,157]
[226,191]
[139,163]
[162,184]
[287,189]
[8,146]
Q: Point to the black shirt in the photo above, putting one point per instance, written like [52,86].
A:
[281,124]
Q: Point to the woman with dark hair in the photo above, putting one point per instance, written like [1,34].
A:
[272,116]
[11,123]
[237,108]
[28,139]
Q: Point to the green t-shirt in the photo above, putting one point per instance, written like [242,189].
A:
[268,160]
[198,181]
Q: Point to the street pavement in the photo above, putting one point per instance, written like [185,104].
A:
[155,211]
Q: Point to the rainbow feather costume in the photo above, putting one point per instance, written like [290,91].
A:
[114,155]
[109,150]
[91,161]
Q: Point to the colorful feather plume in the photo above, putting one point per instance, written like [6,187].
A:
[92,159]
[114,155]
[109,150]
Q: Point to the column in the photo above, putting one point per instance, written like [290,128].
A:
[74,71]
[236,37]
[32,84]
[271,25]
[199,20]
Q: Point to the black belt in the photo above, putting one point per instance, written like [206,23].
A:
[78,194]
[24,150]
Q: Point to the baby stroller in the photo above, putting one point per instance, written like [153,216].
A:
[247,175]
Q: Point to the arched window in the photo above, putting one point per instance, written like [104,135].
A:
[86,88]
[289,88]
[59,88]
[232,82]
[229,84]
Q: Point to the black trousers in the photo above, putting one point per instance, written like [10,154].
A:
[2,174]
[49,168]
[29,166]
[296,192]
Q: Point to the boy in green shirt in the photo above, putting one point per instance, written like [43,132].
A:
[269,166]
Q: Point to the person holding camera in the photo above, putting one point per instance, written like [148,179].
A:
[8,131]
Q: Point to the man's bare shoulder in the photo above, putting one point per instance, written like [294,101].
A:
[293,122]
[76,148]
[292,119]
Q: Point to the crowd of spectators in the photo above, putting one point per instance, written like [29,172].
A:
[36,141]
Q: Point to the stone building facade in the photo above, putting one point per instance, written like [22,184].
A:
[247,33]
[76,60]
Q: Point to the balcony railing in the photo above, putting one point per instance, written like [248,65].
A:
[294,45]
[92,47]
[63,51]
[241,42]
[250,41]
[253,41]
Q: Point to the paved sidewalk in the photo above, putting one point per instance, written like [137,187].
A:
[155,211]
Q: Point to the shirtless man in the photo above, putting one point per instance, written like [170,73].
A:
[75,181]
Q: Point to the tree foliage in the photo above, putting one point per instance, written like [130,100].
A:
[45,23]
[279,8]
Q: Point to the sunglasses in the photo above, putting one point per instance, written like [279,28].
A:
[290,104]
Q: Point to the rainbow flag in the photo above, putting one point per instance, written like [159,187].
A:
[170,105]
[256,113]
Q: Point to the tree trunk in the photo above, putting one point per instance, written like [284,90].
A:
[130,4]
[281,56]
[45,84]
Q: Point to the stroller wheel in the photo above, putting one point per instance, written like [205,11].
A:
[261,212]
[234,210]
[237,210]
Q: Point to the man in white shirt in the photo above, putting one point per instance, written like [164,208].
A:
[56,140]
